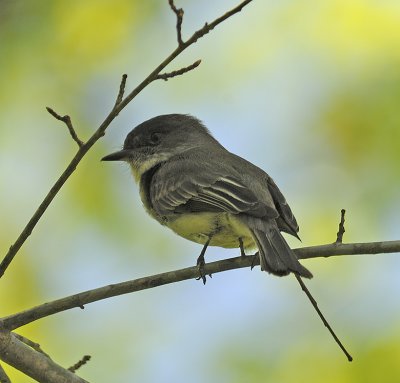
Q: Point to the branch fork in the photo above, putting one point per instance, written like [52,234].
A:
[67,121]
[168,75]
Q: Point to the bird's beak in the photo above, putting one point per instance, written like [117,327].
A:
[122,155]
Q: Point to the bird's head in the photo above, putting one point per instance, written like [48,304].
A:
[160,138]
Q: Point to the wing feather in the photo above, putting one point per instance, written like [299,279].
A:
[286,221]
[180,189]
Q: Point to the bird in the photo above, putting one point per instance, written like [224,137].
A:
[190,183]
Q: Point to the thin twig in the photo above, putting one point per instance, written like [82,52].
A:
[121,90]
[210,26]
[3,376]
[168,75]
[26,232]
[339,237]
[79,364]
[22,318]
[34,345]
[327,325]
[67,121]
[179,19]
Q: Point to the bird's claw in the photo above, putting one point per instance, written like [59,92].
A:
[242,252]
[200,264]
[253,262]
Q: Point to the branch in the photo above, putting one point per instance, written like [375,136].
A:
[339,235]
[34,345]
[3,376]
[324,321]
[79,300]
[67,121]
[209,27]
[166,76]
[84,148]
[80,363]
[196,35]
[179,19]
[121,90]
[33,363]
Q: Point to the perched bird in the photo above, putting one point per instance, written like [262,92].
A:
[190,183]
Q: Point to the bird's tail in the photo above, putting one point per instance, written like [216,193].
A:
[276,257]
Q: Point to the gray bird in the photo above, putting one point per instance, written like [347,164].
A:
[190,183]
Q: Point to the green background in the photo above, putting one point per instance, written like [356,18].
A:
[309,91]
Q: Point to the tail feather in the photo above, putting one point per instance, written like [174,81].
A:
[276,257]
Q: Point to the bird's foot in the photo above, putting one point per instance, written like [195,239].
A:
[201,262]
[242,253]
[253,262]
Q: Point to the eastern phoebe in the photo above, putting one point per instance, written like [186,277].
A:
[190,183]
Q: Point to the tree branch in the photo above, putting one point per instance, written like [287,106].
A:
[166,76]
[33,363]
[179,19]
[79,300]
[121,92]
[84,148]
[324,321]
[3,376]
[67,121]
[80,363]
[340,233]
[209,27]
[31,344]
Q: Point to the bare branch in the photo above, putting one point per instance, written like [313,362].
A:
[210,26]
[34,345]
[3,376]
[84,148]
[179,19]
[78,300]
[32,363]
[196,35]
[67,121]
[80,363]
[325,322]
[121,90]
[166,76]
[339,237]
[26,232]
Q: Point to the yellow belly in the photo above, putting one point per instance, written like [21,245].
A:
[224,229]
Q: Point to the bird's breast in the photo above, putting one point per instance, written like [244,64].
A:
[224,229]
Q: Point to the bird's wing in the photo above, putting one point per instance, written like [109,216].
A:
[182,187]
[286,221]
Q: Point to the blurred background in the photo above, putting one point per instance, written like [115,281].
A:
[309,91]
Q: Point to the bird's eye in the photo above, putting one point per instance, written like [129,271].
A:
[155,138]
